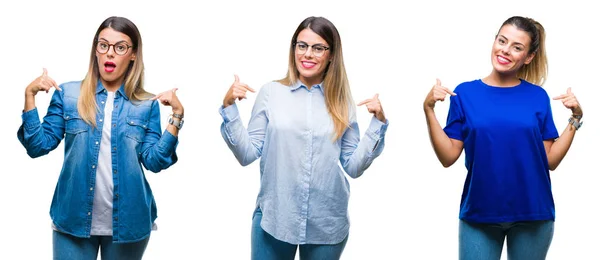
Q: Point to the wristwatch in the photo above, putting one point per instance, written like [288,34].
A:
[177,123]
[577,124]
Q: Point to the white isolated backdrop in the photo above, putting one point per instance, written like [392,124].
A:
[404,207]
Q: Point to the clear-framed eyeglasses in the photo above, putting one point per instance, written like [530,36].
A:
[317,49]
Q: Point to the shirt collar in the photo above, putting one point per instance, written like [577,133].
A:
[299,84]
[121,90]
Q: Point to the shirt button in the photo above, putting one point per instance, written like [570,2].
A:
[115,148]
[116,218]
[115,171]
[91,188]
[116,106]
[94,166]
[114,125]
[89,213]
[102,102]
[117,195]
[100,119]
[67,117]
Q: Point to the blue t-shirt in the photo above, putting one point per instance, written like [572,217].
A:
[503,129]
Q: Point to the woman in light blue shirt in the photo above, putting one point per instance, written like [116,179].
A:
[111,127]
[302,126]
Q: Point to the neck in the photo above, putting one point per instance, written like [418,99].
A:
[111,86]
[502,80]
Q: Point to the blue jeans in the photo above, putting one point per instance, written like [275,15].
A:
[266,247]
[65,246]
[525,240]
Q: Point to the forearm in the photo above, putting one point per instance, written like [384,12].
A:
[245,144]
[160,154]
[442,144]
[29,102]
[359,153]
[559,148]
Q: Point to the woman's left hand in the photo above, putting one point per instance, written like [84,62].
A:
[169,98]
[570,102]
[374,107]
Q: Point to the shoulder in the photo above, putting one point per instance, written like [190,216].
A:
[71,88]
[534,89]
[271,87]
[464,86]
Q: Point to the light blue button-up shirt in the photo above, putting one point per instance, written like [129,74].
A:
[304,193]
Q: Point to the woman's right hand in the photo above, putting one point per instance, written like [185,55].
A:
[437,93]
[43,82]
[236,91]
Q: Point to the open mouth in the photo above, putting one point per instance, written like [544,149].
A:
[109,66]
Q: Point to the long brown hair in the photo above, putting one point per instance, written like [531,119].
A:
[134,76]
[537,70]
[338,97]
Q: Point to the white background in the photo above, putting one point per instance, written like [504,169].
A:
[404,207]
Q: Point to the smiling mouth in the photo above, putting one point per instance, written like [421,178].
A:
[109,66]
[308,65]
[502,60]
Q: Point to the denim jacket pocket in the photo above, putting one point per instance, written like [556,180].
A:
[136,128]
[74,124]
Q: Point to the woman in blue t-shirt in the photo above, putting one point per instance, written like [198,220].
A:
[504,122]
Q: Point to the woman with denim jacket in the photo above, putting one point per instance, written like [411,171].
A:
[302,126]
[111,127]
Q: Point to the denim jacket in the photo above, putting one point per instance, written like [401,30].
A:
[136,140]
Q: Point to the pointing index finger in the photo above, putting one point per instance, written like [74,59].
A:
[447,90]
[249,88]
[363,102]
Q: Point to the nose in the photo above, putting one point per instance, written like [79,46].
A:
[111,50]
[309,52]
[506,49]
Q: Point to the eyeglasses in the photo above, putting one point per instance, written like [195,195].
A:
[120,48]
[317,49]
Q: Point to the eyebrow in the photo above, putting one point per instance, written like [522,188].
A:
[102,39]
[503,37]
[317,44]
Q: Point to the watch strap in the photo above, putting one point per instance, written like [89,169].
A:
[577,124]
[177,123]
